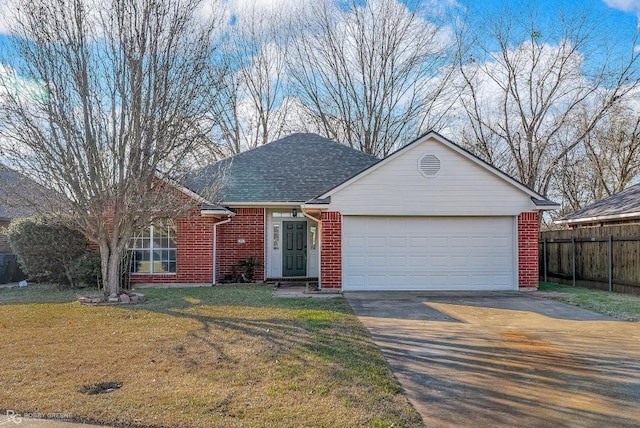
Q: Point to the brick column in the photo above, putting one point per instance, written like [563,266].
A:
[331,251]
[528,274]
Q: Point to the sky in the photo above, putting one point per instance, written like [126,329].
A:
[619,17]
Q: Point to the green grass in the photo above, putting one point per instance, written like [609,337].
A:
[623,306]
[40,293]
[224,356]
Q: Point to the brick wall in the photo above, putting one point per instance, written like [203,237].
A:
[331,251]
[247,225]
[528,225]
[194,252]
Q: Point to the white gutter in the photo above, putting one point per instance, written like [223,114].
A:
[215,227]
[217,213]
[599,218]
[309,216]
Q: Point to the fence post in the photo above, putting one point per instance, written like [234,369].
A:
[610,263]
[573,259]
[544,250]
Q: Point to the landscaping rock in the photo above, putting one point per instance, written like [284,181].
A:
[123,299]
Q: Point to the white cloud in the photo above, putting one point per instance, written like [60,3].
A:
[636,48]
[6,14]
[270,14]
[624,5]
[631,6]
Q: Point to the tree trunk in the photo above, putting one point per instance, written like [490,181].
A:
[110,258]
[112,281]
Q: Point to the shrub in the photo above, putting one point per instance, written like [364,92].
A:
[46,250]
[249,266]
[87,269]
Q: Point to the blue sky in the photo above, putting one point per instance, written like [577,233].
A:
[619,16]
[617,20]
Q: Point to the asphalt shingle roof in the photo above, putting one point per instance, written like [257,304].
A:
[295,168]
[12,184]
[625,202]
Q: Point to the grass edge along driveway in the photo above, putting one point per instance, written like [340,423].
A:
[622,306]
[216,356]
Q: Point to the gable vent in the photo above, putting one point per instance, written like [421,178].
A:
[429,165]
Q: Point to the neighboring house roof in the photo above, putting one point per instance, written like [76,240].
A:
[12,184]
[295,168]
[620,206]
[538,200]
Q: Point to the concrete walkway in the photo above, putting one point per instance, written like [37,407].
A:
[506,359]
[301,291]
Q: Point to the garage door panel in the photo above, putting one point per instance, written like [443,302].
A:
[397,261]
[428,253]
[438,242]
[356,242]
[418,261]
[357,261]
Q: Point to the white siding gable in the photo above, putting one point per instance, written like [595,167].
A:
[460,188]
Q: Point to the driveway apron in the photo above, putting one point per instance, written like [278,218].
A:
[506,359]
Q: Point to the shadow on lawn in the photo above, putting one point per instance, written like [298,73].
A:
[304,329]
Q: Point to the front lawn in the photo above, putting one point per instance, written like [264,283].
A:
[623,306]
[225,356]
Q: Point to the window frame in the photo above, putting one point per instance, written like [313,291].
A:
[148,234]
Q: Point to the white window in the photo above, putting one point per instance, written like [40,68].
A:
[153,250]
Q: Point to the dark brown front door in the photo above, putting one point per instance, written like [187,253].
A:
[294,253]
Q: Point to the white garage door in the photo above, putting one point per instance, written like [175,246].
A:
[428,253]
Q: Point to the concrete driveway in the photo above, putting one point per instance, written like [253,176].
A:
[506,359]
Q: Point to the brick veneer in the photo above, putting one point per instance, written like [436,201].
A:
[194,253]
[528,226]
[331,251]
[247,224]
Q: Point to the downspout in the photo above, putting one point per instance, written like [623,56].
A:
[215,241]
[319,223]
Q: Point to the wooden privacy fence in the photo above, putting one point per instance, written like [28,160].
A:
[606,258]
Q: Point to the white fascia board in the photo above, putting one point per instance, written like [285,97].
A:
[547,207]
[625,216]
[319,207]
[447,143]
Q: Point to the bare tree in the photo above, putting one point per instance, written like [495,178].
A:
[251,105]
[613,149]
[605,163]
[534,92]
[118,90]
[369,73]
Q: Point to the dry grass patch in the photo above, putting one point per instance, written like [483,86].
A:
[223,356]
